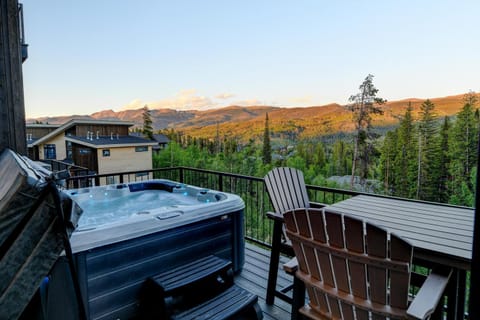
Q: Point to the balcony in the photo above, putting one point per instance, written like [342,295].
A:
[258,229]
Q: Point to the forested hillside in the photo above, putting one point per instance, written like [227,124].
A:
[247,123]
[426,153]
[421,149]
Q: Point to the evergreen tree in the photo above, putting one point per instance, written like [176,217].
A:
[363,105]
[267,149]
[340,158]
[405,164]
[387,160]
[444,163]
[463,151]
[428,153]
[147,123]
[319,158]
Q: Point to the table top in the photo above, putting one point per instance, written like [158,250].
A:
[439,233]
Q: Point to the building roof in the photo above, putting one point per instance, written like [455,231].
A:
[74,122]
[41,125]
[31,141]
[161,138]
[111,141]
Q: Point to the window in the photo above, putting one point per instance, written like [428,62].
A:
[106,152]
[69,148]
[49,151]
[141,149]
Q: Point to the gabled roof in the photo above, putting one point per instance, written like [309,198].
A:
[111,141]
[41,125]
[31,142]
[74,122]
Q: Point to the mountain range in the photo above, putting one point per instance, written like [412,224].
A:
[247,122]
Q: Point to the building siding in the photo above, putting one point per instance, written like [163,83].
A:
[59,142]
[123,159]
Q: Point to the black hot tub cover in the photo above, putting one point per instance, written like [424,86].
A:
[32,232]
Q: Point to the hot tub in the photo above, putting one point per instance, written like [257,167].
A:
[114,213]
[128,232]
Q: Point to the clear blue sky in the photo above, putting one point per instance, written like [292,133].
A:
[91,55]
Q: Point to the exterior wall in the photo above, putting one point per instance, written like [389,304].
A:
[84,156]
[12,110]
[124,159]
[39,132]
[103,130]
[59,142]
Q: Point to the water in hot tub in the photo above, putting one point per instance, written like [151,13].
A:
[98,211]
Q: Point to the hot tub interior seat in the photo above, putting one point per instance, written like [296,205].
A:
[114,203]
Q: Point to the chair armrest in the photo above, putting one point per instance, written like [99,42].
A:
[291,266]
[275,216]
[427,298]
[317,205]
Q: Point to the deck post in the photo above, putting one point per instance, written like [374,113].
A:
[181,174]
[12,109]
[220,182]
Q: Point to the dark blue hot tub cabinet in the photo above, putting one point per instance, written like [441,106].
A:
[111,275]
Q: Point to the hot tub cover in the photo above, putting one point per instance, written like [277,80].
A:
[31,231]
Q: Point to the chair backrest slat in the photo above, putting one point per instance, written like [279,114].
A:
[377,247]
[317,225]
[399,280]
[287,190]
[336,240]
[352,269]
[355,242]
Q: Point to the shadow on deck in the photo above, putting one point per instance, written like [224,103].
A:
[254,279]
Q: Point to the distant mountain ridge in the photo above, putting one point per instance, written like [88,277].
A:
[248,122]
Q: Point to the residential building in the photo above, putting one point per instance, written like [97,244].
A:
[161,140]
[99,145]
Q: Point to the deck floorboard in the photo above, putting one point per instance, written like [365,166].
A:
[254,279]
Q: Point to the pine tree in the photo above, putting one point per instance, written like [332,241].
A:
[340,163]
[147,123]
[319,159]
[428,153]
[463,151]
[218,144]
[405,164]
[444,163]
[267,149]
[387,160]
[363,105]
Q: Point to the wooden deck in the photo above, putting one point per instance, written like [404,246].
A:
[254,279]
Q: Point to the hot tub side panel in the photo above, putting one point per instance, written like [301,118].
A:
[112,276]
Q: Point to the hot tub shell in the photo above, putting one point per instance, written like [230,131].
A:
[113,259]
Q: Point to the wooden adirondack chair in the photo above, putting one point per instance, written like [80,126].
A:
[287,191]
[355,270]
